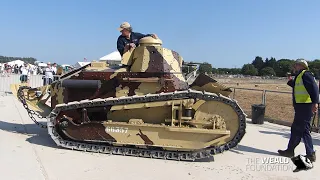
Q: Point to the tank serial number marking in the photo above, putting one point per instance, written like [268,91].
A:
[116,129]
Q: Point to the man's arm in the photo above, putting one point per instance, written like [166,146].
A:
[290,83]
[311,86]
[140,35]
[120,46]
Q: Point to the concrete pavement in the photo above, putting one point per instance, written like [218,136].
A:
[28,153]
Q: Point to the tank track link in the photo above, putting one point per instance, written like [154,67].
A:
[148,153]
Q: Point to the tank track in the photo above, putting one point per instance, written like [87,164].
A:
[148,153]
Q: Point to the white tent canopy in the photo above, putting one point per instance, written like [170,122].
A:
[80,64]
[41,64]
[114,56]
[16,62]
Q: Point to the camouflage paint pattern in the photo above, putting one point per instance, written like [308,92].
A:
[147,62]
[148,69]
[204,82]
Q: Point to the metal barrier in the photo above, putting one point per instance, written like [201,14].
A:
[7,79]
[279,108]
[264,92]
[192,75]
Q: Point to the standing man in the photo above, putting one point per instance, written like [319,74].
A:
[305,102]
[129,39]
[48,74]
[54,68]
[25,72]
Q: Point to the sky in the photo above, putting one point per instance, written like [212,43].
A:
[225,33]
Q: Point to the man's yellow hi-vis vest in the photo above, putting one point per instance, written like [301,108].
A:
[301,94]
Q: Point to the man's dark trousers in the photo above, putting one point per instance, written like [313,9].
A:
[301,128]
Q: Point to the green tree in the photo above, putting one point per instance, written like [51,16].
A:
[314,67]
[205,68]
[272,63]
[215,71]
[283,66]
[266,63]
[4,59]
[226,70]
[258,63]
[249,69]
[235,70]
[267,71]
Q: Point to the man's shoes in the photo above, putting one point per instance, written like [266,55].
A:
[312,157]
[286,153]
[302,163]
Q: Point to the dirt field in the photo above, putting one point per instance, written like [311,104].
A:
[278,105]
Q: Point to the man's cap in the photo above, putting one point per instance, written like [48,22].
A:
[302,62]
[124,25]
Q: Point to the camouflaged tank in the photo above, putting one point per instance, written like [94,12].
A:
[144,108]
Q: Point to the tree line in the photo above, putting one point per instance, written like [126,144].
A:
[258,67]
[262,67]
[5,59]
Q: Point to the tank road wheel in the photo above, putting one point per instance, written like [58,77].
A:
[223,116]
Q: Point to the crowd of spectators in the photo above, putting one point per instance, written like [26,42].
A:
[25,70]
[17,69]
[49,71]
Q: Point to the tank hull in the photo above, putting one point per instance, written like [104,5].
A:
[145,108]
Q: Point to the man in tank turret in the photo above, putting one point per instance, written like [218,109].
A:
[129,39]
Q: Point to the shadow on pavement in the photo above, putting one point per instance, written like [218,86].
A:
[40,136]
[37,135]
[241,148]
[287,135]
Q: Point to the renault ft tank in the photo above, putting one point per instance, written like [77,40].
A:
[143,108]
